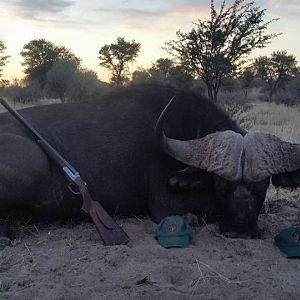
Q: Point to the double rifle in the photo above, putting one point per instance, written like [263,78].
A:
[110,232]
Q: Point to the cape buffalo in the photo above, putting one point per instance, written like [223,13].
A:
[198,160]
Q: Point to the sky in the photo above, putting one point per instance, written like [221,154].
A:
[84,26]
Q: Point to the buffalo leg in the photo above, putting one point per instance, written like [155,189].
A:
[24,169]
[6,236]
[288,179]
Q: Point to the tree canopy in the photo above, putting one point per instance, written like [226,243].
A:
[39,55]
[71,83]
[164,69]
[116,57]
[59,77]
[275,70]
[215,48]
[85,85]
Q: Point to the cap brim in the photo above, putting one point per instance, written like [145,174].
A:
[174,241]
[292,251]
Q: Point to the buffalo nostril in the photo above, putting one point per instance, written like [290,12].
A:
[182,184]
[172,181]
[195,184]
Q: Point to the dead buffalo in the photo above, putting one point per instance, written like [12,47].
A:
[198,160]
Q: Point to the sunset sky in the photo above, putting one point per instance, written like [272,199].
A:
[84,26]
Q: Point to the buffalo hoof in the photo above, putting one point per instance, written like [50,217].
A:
[4,242]
[239,234]
[6,236]
[236,235]
[191,219]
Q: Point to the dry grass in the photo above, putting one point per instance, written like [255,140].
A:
[18,105]
[280,120]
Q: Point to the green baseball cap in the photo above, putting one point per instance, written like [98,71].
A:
[288,241]
[173,231]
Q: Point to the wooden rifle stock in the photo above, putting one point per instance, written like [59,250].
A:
[110,232]
[108,229]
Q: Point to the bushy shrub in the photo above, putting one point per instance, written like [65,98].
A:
[59,78]
[85,85]
[23,92]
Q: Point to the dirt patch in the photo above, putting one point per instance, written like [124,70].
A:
[69,262]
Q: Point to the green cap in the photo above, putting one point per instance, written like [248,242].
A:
[173,231]
[288,241]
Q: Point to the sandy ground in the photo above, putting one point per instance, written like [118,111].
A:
[69,262]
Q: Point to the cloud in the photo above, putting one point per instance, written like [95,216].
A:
[52,6]
[40,9]
[127,16]
[151,15]
[131,12]
[149,9]
[280,8]
[147,15]
[285,9]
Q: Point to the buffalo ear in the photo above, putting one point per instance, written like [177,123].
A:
[288,179]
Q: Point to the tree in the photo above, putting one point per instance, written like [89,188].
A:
[116,57]
[275,70]
[246,80]
[294,87]
[59,77]
[164,71]
[230,84]
[140,76]
[217,47]
[179,77]
[71,83]
[162,68]
[39,55]
[3,58]
[85,85]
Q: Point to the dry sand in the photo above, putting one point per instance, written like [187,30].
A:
[69,262]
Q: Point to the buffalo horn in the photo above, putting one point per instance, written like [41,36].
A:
[159,123]
[266,154]
[219,153]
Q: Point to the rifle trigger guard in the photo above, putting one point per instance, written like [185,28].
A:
[70,185]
